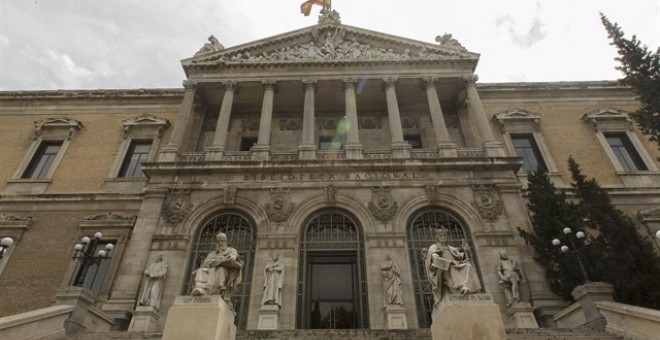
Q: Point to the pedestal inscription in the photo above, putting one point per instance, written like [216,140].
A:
[473,316]
[200,318]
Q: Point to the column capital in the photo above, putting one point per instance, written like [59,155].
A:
[310,83]
[190,84]
[269,84]
[389,82]
[230,85]
[349,83]
[429,81]
[470,80]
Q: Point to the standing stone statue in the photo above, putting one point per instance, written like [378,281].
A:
[153,285]
[450,269]
[220,272]
[273,281]
[391,282]
[510,277]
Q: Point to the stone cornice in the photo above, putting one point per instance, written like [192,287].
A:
[94,94]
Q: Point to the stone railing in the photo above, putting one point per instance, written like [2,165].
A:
[424,154]
[631,322]
[471,153]
[377,154]
[191,156]
[330,155]
[45,323]
[237,156]
[284,156]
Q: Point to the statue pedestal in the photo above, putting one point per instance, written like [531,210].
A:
[473,316]
[587,295]
[200,318]
[521,315]
[396,317]
[145,319]
[268,317]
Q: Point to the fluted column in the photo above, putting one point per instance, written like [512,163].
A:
[492,147]
[261,151]
[353,146]
[216,151]
[169,152]
[307,149]
[445,146]
[400,148]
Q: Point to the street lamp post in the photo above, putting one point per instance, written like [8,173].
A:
[566,250]
[86,257]
[5,243]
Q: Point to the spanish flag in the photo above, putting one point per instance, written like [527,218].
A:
[306,6]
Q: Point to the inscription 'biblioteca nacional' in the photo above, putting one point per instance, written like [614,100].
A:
[348,176]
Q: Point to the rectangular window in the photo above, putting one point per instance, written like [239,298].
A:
[330,143]
[526,148]
[625,152]
[415,141]
[247,143]
[93,269]
[42,160]
[137,153]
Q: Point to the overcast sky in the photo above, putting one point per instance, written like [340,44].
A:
[88,44]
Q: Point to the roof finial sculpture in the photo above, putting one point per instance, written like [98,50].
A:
[328,15]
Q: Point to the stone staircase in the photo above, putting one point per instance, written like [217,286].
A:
[363,334]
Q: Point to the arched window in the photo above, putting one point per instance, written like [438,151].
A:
[421,234]
[240,235]
[332,286]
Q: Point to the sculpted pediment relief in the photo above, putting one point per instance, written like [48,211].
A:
[322,43]
[517,116]
[608,117]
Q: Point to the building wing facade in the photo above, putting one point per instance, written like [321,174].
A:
[333,146]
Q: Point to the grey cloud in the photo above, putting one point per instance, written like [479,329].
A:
[525,39]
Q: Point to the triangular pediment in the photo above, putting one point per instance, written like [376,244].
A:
[330,44]
[606,113]
[517,114]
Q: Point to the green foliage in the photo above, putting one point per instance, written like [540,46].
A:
[616,253]
[641,69]
[624,258]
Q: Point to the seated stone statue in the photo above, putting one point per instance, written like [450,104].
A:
[220,271]
[450,269]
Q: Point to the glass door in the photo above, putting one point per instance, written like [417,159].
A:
[332,290]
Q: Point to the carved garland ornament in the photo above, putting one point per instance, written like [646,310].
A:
[108,217]
[382,205]
[488,203]
[177,206]
[279,207]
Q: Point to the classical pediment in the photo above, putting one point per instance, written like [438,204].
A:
[517,116]
[330,43]
[63,123]
[608,116]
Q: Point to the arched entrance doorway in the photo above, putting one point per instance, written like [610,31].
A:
[332,286]
[240,234]
[421,234]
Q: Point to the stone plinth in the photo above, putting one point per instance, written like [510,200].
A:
[474,317]
[81,299]
[268,317]
[199,318]
[521,315]
[587,295]
[145,319]
[396,317]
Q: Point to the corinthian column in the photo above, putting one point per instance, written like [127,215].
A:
[216,151]
[169,152]
[445,146]
[261,151]
[400,148]
[353,146]
[492,147]
[307,149]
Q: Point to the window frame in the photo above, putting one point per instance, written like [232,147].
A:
[145,127]
[521,122]
[608,120]
[128,156]
[536,152]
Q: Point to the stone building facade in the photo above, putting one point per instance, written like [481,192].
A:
[332,145]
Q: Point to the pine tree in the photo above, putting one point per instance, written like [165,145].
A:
[641,69]
[622,256]
[551,212]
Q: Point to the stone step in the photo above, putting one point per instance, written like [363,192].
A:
[362,334]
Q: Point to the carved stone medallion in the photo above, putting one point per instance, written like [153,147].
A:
[331,193]
[177,206]
[382,205]
[488,203]
[280,206]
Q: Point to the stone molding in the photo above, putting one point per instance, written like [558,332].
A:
[57,123]
[517,115]
[604,115]
[110,216]
[470,80]
[146,121]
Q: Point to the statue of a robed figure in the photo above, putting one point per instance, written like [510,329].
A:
[220,272]
[450,269]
